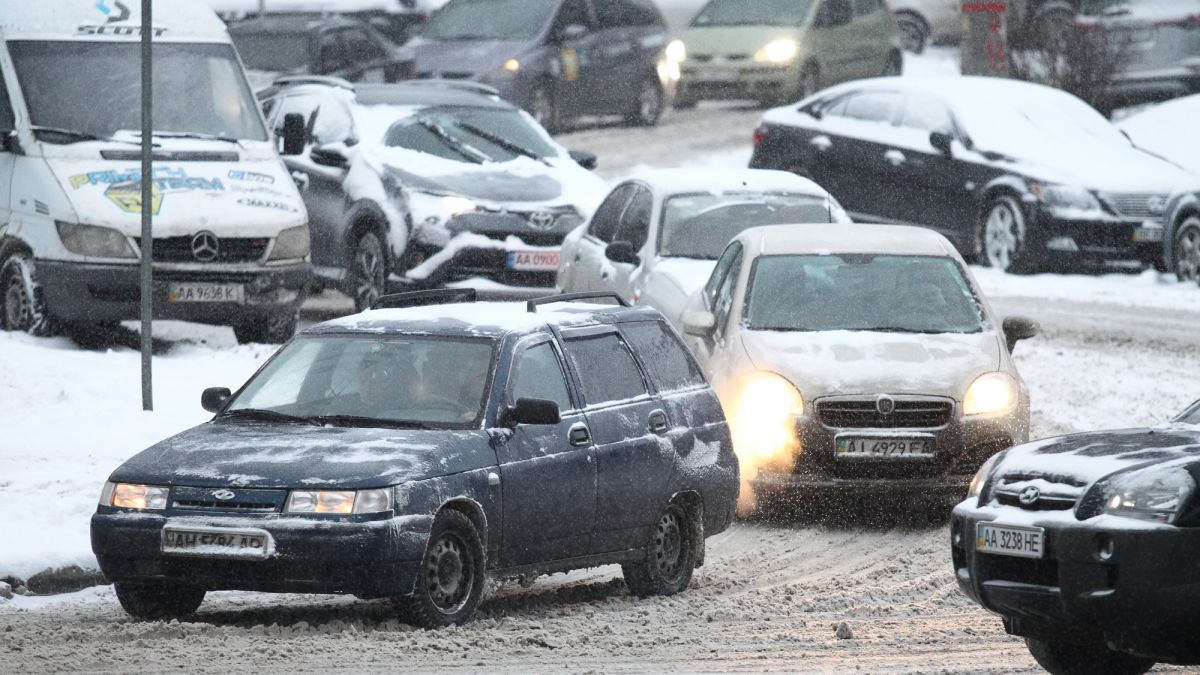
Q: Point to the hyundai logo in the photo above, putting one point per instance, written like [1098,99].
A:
[205,247]
[886,405]
[223,495]
[541,220]
[1029,496]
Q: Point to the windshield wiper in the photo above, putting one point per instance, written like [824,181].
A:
[75,135]
[472,154]
[901,329]
[197,135]
[261,414]
[361,421]
[503,142]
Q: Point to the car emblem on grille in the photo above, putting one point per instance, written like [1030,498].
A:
[541,220]
[886,405]
[1029,496]
[223,495]
[205,247]
[1156,205]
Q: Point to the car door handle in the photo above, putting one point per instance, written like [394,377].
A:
[579,435]
[821,143]
[658,422]
[895,157]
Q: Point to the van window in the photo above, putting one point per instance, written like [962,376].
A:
[606,369]
[666,359]
[94,88]
[8,121]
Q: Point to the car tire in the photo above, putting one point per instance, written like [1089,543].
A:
[544,109]
[367,279]
[158,601]
[1185,250]
[277,329]
[24,303]
[451,575]
[1000,237]
[914,33]
[648,106]
[670,556]
[1068,658]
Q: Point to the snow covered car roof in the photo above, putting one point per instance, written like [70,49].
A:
[716,181]
[826,239]
[1159,129]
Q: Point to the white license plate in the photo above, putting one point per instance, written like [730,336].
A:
[217,542]
[1021,542]
[533,261]
[718,74]
[205,292]
[1152,232]
[872,447]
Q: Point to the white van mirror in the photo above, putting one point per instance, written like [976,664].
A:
[699,324]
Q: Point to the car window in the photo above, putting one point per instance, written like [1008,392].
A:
[328,117]
[757,13]
[360,46]
[605,369]
[701,225]
[865,7]
[608,217]
[835,107]
[635,222]
[331,54]
[928,114]
[8,120]
[873,106]
[723,302]
[834,13]
[537,373]
[573,13]
[667,361]
[480,20]
[732,252]
[271,51]
[613,13]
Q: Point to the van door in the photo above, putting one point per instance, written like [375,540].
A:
[8,126]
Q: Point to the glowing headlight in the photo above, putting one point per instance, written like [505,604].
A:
[1067,198]
[1151,494]
[780,50]
[676,52]
[93,241]
[512,66]
[338,501]
[130,496]
[764,419]
[291,244]
[434,209]
[989,394]
[981,476]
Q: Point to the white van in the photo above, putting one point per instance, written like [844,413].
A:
[231,243]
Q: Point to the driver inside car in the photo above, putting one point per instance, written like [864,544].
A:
[386,382]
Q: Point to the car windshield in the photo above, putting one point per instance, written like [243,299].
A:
[753,13]
[417,381]
[272,51]
[471,134]
[1191,415]
[93,89]
[861,292]
[701,225]
[509,20]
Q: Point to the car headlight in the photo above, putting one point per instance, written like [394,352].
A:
[1067,199]
[676,52]
[763,421]
[981,476]
[338,501]
[94,241]
[989,394]
[780,50]
[291,244]
[1150,494]
[133,496]
[435,209]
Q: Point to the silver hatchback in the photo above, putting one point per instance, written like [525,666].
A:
[1159,40]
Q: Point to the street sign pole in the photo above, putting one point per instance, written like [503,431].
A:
[147,282]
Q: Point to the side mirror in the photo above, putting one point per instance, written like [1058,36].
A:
[699,324]
[294,134]
[9,142]
[214,399]
[587,160]
[533,411]
[1017,328]
[622,252]
[942,142]
[331,155]
[572,32]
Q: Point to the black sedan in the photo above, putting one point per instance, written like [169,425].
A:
[1087,545]
[1017,175]
[413,452]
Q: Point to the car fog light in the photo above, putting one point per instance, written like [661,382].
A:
[1105,547]
[1063,244]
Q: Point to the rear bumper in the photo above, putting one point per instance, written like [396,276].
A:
[370,559]
[89,293]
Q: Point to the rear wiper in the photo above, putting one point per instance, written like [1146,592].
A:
[75,135]
[503,142]
[472,154]
[261,414]
[361,421]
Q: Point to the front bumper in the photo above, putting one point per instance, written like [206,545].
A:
[93,293]
[1144,600]
[368,558]
[760,82]
[481,243]
[1100,240]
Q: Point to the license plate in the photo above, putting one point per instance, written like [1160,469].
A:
[870,447]
[1021,542]
[718,74]
[204,292]
[533,261]
[1149,232]
[217,542]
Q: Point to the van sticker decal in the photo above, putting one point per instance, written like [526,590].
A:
[251,177]
[128,197]
[124,188]
[267,204]
[102,5]
[117,14]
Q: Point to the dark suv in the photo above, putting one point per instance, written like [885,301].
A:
[413,451]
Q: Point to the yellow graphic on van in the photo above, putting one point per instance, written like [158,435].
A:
[128,197]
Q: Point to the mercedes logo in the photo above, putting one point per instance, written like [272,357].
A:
[205,247]
[541,220]
[886,405]
[1029,496]
[223,495]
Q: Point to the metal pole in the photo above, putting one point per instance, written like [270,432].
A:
[147,282]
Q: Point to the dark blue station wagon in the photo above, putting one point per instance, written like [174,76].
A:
[414,450]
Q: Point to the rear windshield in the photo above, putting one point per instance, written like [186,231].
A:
[702,225]
[881,293]
[753,13]
[510,20]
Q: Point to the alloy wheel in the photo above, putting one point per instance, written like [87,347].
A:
[1002,236]
[449,574]
[368,272]
[1187,250]
[668,547]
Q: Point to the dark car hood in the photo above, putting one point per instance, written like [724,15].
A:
[1088,457]
[476,57]
[252,454]
[491,186]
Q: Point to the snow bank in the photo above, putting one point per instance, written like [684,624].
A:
[1148,290]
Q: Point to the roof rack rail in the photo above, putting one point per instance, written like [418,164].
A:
[532,305]
[287,80]
[464,85]
[443,296]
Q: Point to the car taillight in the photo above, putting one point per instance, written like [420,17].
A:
[759,135]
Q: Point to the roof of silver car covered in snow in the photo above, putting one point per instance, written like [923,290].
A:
[832,239]
[720,180]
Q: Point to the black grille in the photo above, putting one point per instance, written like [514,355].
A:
[864,414]
[233,250]
[240,500]
[223,506]
[531,238]
[1042,572]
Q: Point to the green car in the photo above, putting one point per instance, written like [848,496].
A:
[775,51]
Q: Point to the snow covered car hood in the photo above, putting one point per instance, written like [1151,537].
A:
[498,185]
[850,362]
[1108,169]
[477,57]
[253,454]
[688,274]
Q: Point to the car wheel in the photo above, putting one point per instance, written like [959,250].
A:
[368,271]
[1187,250]
[670,556]
[1066,658]
[1001,235]
[913,32]
[277,329]
[450,579]
[649,104]
[544,109]
[158,601]
[24,303]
